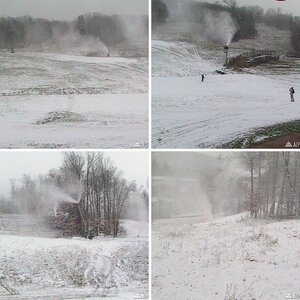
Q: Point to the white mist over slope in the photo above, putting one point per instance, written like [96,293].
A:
[193,184]
[75,43]
[219,27]
[137,209]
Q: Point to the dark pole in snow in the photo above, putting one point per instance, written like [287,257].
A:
[10,37]
[226,48]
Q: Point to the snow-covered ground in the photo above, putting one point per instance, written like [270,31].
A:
[53,100]
[188,113]
[229,258]
[49,268]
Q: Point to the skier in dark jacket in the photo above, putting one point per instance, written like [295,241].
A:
[203,77]
[292,92]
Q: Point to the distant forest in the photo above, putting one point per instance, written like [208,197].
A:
[160,12]
[274,184]
[246,17]
[26,31]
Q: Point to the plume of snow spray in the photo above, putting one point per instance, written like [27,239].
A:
[79,44]
[137,208]
[218,27]
[209,25]
[52,195]
[193,183]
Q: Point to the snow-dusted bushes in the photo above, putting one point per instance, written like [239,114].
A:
[72,263]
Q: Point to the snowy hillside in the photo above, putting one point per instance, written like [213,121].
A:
[48,268]
[229,258]
[188,113]
[53,100]
[25,225]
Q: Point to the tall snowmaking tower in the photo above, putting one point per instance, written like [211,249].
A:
[226,50]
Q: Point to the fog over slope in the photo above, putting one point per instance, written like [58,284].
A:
[193,183]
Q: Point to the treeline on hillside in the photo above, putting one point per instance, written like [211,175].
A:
[273,184]
[160,12]
[245,18]
[109,29]
[87,195]
[295,38]
[282,21]
[27,31]
[277,19]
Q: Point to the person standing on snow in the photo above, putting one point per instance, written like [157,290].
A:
[292,92]
[203,77]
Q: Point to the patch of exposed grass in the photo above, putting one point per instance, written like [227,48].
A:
[61,116]
[263,134]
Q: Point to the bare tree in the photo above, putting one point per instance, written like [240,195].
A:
[274,184]
[97,194]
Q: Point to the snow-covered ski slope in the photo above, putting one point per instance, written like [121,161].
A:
[54,100]
[229,258]
[188,113]
[49,268]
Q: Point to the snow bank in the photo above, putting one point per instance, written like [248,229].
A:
[115,265]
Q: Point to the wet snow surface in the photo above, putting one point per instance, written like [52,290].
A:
[187,113]
[51,100]
[234,255]
[57,268]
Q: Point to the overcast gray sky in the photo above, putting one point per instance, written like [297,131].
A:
[69,9]
[14,164]
[290,6]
